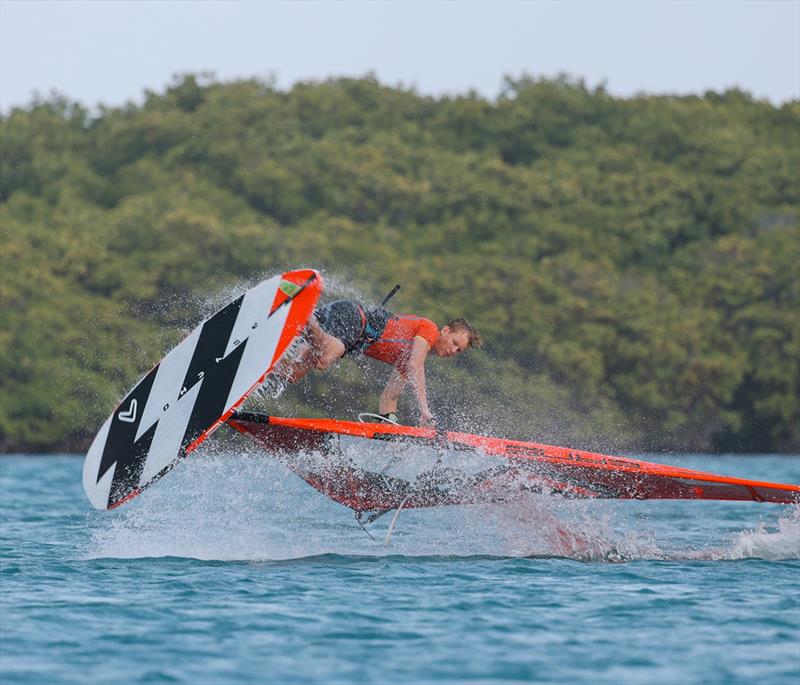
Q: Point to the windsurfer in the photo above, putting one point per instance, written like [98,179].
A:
[403,341]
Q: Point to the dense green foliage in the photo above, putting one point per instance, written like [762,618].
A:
[632,263]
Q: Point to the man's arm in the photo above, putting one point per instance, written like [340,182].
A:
[398,380]
[416,363]
[391,393]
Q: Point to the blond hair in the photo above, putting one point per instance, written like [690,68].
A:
[461,324]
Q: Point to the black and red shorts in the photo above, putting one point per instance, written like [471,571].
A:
[351,323]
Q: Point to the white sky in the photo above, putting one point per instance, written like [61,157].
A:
[110,51]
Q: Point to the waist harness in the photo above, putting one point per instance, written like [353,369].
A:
[373,323]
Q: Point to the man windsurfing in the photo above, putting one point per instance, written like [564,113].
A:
[401,340]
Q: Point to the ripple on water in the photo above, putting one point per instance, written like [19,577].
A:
[256,576]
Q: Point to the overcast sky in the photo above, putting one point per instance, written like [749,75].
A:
[110,51]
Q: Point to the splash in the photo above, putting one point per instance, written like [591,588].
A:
[546,525]
[216,505]
[231,502]
[605,531]
[770,543]
[234,503]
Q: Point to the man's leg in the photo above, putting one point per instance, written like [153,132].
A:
[318,352]
[295,369]
[325,348]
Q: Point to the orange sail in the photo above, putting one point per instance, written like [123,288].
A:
[511,467]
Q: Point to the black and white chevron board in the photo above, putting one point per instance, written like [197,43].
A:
[192,390]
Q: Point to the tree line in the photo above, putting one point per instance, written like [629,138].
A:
[631,262]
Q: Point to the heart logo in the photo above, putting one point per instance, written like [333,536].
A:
[130,415]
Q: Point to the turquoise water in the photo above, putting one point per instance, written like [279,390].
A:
[231,570]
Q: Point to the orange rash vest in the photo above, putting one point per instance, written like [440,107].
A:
[394,345]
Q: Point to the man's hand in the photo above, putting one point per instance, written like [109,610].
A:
[426,419]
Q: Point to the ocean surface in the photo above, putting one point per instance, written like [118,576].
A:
[231,570]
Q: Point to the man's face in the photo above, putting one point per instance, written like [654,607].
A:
[451,343]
